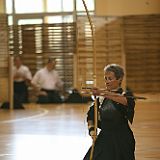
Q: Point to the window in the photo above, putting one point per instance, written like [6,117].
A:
[54,6]
[10,20]
[89,3]
[28,6]
[9,6]
[30,21]
[60,5]
[54,19]
[39,6]
[59,19]
[68,7]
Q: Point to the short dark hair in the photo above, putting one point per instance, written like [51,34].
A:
[116,69]
[18,57]
[51,59]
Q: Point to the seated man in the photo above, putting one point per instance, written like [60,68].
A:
[48,83]
[22,77]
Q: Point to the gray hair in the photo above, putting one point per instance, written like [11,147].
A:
[116,69]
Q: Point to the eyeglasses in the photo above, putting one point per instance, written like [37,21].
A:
[110,78]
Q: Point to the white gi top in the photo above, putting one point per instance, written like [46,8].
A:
[22,73]
[46,79]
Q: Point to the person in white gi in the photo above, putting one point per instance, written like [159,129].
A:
[22,78]
[48,83]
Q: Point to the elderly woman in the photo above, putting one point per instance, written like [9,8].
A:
[116,109]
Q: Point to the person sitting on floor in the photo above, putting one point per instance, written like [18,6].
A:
[48,83]
[22,77]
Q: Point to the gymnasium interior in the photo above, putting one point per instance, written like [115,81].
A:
[84,38]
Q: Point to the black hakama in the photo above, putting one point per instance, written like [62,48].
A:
[115,140]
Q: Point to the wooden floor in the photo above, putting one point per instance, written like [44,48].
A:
[59,132]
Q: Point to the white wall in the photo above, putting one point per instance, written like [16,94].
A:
[127,7]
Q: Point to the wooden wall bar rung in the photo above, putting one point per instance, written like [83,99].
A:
[131,39]
[38,42]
